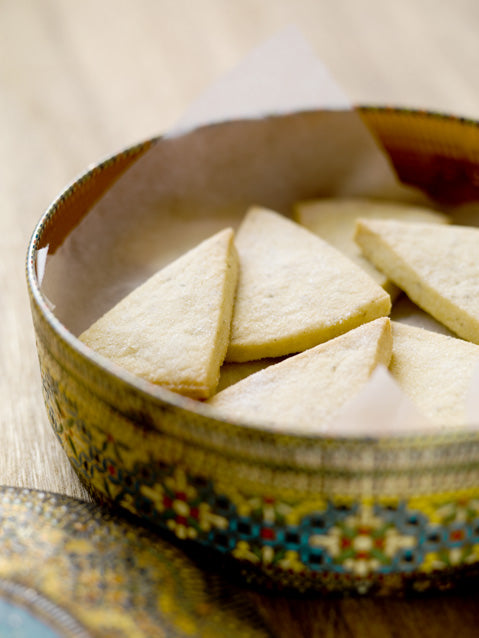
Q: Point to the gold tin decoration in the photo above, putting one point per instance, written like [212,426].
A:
[329,514]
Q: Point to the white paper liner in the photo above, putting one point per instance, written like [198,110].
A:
[380,409]
[283,75]
[41,261]
[187,187]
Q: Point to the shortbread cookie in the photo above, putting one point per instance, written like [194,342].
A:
[437,267]
[334,220]
[294,290]
[435,371]
[173,330]
[303,393]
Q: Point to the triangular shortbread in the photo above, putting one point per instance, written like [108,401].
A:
[295,290]
[437,267]
[435,371]
[173,330]
[304,392]
[334,220]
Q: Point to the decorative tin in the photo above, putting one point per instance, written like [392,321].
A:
[324,513]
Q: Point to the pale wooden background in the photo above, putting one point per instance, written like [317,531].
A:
[81,80]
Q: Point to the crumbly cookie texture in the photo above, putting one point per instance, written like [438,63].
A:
[303,393]
[334,220]
[436,266]
[173,330]
[435,371]
[295,290]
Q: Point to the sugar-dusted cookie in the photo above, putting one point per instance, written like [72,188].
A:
[435,371]
[173,330]
[335,221]
[437,267]
[304,392]
[294,290]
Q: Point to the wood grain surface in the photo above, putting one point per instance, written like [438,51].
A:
[81,80]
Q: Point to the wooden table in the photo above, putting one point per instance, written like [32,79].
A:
[81,80]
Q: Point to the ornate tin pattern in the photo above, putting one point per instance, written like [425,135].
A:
[80,572]
[328,514]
